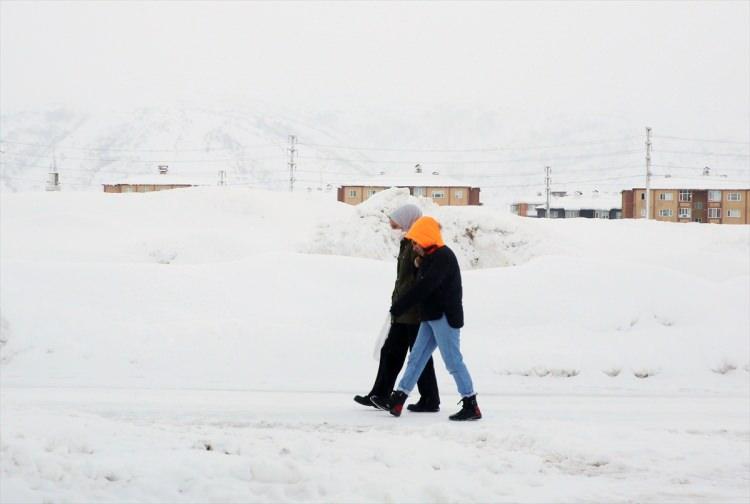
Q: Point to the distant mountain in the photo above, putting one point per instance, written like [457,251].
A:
[92,148]
[503,151]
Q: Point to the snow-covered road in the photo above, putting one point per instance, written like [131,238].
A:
[126,445]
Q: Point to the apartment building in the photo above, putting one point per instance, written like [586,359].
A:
[442,190]
[158,182]
[570,205]
[710,199]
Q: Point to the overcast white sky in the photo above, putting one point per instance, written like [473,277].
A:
[679,59]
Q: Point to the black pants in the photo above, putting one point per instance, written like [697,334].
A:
[400,338]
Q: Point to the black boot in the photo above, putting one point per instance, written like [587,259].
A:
[364,400]
[394,404]
[423,406]
[469,410]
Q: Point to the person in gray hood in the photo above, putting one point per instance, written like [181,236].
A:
[404,328]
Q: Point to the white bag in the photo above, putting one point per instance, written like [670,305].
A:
[381,337]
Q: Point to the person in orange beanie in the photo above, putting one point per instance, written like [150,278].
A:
[403,329]
[438,293]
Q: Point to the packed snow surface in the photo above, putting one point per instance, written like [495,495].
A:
[203,345]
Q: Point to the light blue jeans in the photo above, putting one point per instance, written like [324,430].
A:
[437,334]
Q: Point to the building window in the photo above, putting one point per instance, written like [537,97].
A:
[601,214]
[698,219]
[371,192]
[643,195]
[714,213]
[459,194]
[353,193]
[714,195]
[684,213]
[699,205]
[127,188]
[666,212]
[570,214]
[438,194]
[686,196]
[666,196]
[733,213]
[734,196]
[419,191]
[643,212]
[554,214]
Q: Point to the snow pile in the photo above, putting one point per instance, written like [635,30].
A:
[186,226]
[480,238]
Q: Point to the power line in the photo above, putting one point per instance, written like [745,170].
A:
[115,149]
[562,182]
[704,178]
[701,140]
[460,162]
[327,172]
[562,171]
[476,149]
[695,167]
[151,161]
[728,154]
[696,170]
[87,174]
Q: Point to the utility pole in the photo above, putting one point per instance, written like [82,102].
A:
[53,180]
[292,162]
[648,173]
[547,181]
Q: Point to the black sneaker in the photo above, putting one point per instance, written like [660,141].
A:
[364,400]
[380,402]
[423,407]
[394,404]
[469,410]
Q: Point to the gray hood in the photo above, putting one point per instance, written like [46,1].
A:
[405,216]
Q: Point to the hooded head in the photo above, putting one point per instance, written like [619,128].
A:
[405,216]
[426,233]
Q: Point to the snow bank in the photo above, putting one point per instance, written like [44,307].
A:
[480,238]
[186,226]
[241,289]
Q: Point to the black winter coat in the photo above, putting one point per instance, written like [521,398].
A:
[406,277]
[437,291]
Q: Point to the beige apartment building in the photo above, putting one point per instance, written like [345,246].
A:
[706,199]
[442,190]
[149,183]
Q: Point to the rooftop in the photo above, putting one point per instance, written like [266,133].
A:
[574,200]
[165,179]
[592,201]
[704,182]
[408,180]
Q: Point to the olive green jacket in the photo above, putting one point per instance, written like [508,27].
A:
[406,276]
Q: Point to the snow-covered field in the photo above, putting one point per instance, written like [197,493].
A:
[203,345]
[115,445]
